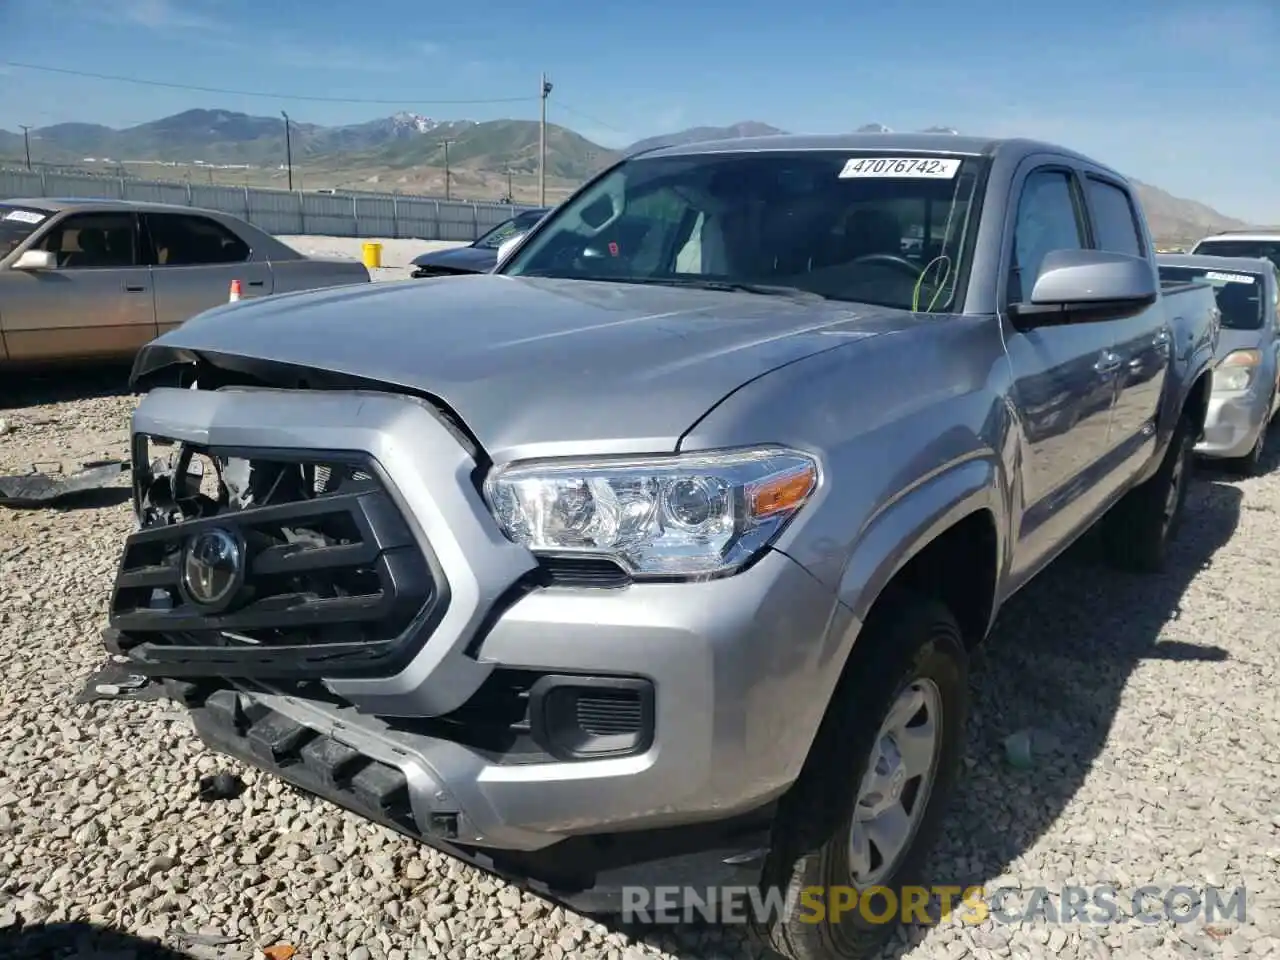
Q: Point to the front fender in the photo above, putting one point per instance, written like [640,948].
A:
[906,525]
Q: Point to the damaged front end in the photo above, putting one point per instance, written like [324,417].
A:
[265,564]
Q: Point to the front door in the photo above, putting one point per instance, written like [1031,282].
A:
[96,304]
[194,261]
[1063,376]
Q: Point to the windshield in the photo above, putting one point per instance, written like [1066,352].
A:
[867,227]
[1264,249]
[16,224]
[1240,295]
[504,231]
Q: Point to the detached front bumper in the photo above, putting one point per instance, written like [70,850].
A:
[546,729]
[1232,424]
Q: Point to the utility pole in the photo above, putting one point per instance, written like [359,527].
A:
[510,196]
[26,142]
[543,91]
[288,148]
[446,167]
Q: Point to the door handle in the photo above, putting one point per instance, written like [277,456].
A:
[256,283]
[1108,363]
[134,288]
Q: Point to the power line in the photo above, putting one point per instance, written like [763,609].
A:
[586,116]
[258,93]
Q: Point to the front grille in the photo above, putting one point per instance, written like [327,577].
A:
[334,581]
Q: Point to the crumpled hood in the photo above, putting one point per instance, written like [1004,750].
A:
[526,361]
[460,258]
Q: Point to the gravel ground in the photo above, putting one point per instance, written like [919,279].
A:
[1152,704]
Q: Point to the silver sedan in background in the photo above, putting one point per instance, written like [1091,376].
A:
[84,280]
[1246,378]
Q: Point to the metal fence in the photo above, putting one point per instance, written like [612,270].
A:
[281,211]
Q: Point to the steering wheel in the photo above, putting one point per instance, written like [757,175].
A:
[890,260]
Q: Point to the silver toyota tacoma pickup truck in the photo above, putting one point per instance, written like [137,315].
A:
[656,556]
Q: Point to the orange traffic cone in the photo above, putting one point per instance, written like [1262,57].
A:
[235,291]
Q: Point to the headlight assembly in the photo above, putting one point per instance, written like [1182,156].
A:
[690,515]
[1236,372]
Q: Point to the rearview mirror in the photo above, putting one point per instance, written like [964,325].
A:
[1081,286]
[36,260]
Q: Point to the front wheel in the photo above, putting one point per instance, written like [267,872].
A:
[851,839]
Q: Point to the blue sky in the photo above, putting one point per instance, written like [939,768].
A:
[1178,94]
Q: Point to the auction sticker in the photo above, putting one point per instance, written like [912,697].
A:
[25,216]
[1230,277]
[893,168]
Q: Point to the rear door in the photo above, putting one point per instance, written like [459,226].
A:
[95,304]
[1144,342]
[193,261]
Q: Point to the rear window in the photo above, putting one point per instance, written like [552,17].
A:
[1240,295]
[1263,249]
[18,223]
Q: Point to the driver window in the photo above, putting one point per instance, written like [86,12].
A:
[93,241]
[649,228]
[1049,218]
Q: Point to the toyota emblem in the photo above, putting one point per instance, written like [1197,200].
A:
[212,567]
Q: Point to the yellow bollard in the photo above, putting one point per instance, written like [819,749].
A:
[372,255]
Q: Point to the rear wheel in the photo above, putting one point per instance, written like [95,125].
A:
[1141,526]
[871,799]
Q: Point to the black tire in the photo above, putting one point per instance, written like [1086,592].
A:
[907,638]
[1140,528]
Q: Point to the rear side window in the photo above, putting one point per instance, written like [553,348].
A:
[1114,224]
[179,239]
[1048,219]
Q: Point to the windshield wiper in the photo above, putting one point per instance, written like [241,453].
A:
[734,286]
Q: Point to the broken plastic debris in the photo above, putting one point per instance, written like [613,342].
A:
[39,489]
[113,680]
[132,682]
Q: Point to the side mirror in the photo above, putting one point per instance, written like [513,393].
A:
[1082,286]
[36,260]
